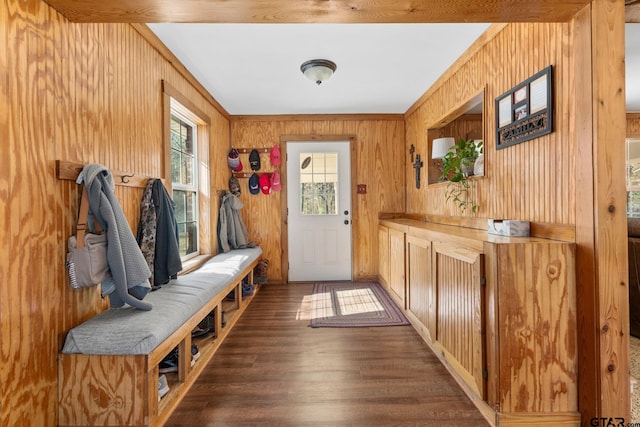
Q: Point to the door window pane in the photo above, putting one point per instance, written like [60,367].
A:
[318,183]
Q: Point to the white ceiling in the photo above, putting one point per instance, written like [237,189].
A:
[254,69]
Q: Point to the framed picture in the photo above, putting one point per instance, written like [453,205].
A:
[526,111]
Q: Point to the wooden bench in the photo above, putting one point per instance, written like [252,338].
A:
[108,367]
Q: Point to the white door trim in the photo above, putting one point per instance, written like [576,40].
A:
[284,231]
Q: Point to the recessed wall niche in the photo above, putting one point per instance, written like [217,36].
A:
[464,122]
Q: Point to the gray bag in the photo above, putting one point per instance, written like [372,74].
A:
[87,257]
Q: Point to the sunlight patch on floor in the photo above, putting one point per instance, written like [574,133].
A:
[304,310]
[350,302]
[358,301]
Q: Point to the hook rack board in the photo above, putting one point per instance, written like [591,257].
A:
[259,150]
[70,171]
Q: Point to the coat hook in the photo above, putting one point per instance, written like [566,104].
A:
[126,181]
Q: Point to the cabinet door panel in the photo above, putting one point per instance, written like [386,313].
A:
[383,255]
[420,290]
[460,314]
[396,266]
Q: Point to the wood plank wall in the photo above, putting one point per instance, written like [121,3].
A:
[378,164]
[83,93]
[633,124]
[530,181]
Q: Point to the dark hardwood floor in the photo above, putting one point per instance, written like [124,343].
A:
[273,370]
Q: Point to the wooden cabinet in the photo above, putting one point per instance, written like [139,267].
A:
[383,255]
[459,278]
[499,312]
[421,292]
[397,266]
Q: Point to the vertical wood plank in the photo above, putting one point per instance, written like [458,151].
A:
[607,28]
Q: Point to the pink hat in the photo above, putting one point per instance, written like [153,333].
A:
[265,184]
[275,181]
[274,156]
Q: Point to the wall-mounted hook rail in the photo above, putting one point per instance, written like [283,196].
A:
[70,170]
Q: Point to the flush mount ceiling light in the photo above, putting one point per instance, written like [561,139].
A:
[318,70]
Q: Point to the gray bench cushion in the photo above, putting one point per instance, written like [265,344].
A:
[131,331]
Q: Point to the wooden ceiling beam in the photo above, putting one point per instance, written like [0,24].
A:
[318,11]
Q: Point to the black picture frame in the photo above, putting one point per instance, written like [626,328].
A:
[525,111]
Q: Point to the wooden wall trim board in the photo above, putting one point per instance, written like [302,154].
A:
[321,117]
[284,205]
[609,209]
[586,308]
[340,11]
[71,170]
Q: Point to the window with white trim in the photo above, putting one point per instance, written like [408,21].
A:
[184,178]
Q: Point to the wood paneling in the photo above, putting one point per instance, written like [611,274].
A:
[537,340]
[421,290]
[633,124]
[339,11]
[376,162]
[545,164]
[383,255]
[397,267]
[457,277]
[110,390]
[81,93]
[609,208]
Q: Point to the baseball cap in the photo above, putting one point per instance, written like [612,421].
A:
[274,156]
[234,185]
[254,160]
[265,183]
[276,185]
[233,160]
[254,185]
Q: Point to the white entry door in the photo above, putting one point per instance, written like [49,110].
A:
[319,218]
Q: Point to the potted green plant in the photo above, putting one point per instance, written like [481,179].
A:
[457,166]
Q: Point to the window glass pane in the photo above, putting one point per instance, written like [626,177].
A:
[175,166]
[180,210]
[186,217]
[318,183]
[190,208]
[183,135]
[192,237]
[187,171]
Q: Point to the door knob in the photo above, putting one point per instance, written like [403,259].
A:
[346,222]
[346,212]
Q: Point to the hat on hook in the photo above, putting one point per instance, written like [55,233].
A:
[254,160]
[276,185]
[233,160]
[274,156]
[265,183]
[254,184]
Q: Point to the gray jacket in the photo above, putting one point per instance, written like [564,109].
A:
[232,233]
[129,271]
